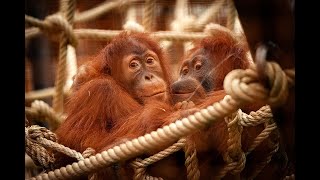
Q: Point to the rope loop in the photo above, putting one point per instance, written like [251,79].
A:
[44,111]
[245,86]
[56,24]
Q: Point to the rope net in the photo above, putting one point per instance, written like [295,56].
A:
[242,86]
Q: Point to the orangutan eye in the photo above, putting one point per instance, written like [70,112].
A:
[198,66]
[185,71]
[134,64]
[150,60]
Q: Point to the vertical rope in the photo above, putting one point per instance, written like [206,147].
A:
[148,15]
[131,14]
[181,9]
[234,157]
[71,67]
[208,15]
[182,19]
[232,15]
[191,161]
[131,21]
[67,8]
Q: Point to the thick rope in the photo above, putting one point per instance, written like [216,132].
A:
[166,135]
[41,110]
[255,118]
[191,161]
[141,165]
[67,8]
[47,139]
[148,15]
[180,128]
[244,85]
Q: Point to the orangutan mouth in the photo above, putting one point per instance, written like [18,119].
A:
[155,94]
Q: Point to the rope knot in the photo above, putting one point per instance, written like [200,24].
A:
[88,152]
[56,25]
[34,132]
[39,154]
[185,24]
[245,85]
[139,168]
[133,26]
[212,29]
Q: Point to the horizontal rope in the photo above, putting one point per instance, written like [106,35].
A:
[105,35]
[41,94]
[97,34]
